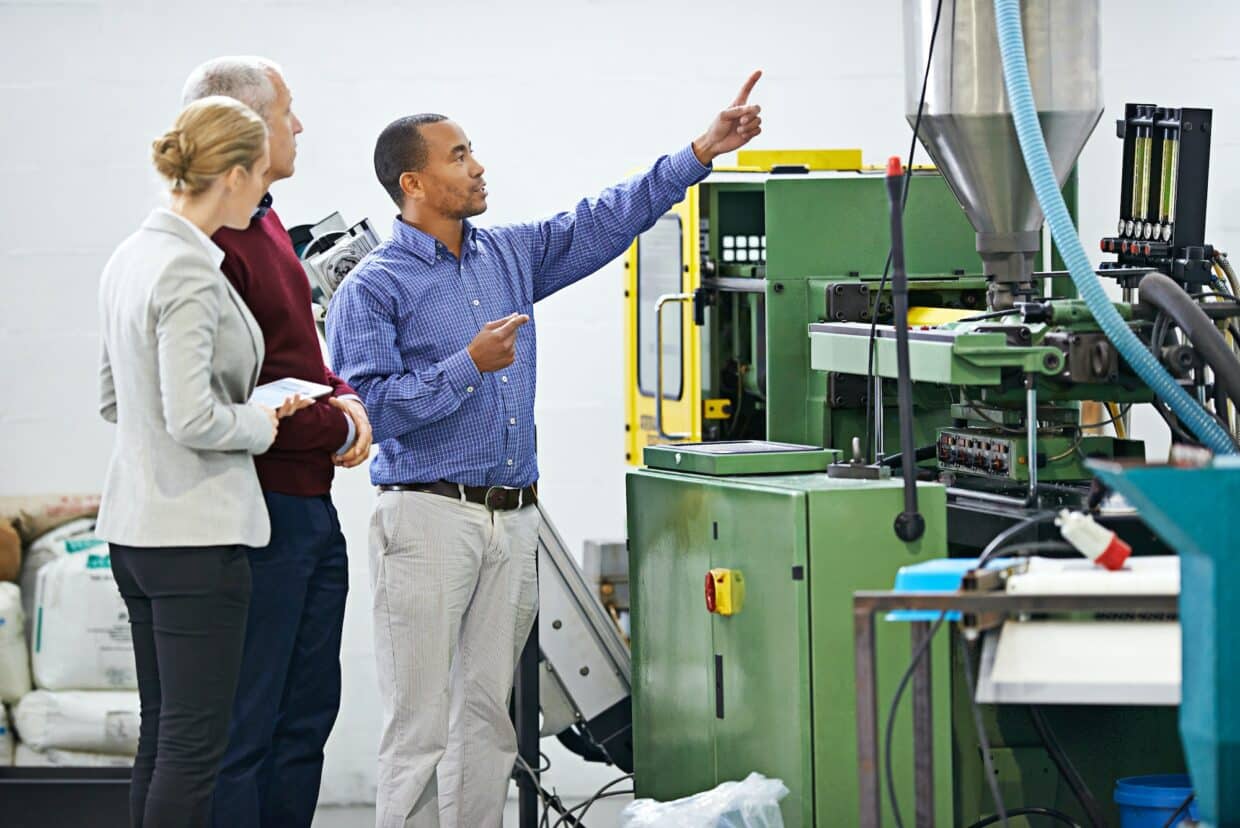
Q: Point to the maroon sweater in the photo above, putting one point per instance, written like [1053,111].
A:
[261,264]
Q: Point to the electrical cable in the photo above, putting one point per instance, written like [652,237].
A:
[547,763]
[549,801]
[1117,414]
[1218,290]
[590,803]
[1229,272]
[984,741]
[989,315]
[980,408]
[1076,444]
[1117,417]
[587,804]
[1066,769]
[1183,807]
[1180,435]
[1046,812]
[914,660]
[996,545]
[578,740]
[908,175]
[1035,546]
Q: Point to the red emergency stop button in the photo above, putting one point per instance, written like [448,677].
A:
[725,591]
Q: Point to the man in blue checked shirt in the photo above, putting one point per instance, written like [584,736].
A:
[435,330]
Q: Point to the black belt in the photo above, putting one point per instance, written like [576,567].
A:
[495,498]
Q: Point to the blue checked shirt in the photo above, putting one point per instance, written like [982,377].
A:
[399,326]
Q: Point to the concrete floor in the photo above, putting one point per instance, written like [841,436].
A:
[603,814]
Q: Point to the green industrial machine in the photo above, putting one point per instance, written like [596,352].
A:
[735,359]
[761,400]
[765,688]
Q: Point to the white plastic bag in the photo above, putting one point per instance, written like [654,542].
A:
[27,757]
[752,803]
[99,721]
[7,742]
[14,657]
[82,639]
[75,536]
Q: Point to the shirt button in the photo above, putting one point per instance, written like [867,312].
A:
[504,378]
[469,389]
[510,461]
[512,421]
[475,303]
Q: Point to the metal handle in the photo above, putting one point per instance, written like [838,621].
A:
[658,341]
[1031,435]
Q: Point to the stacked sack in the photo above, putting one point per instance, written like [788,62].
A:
[77,648]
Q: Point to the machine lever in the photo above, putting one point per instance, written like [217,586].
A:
[909,524]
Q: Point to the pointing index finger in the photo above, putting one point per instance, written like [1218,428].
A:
[743,96]
[515,321]
[495,324]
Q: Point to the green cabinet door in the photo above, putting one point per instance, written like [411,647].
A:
[716,698]
[763,720]
[673,667]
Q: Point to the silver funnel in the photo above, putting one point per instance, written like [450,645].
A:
[966,125]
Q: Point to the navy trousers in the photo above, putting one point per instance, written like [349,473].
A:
[289,690]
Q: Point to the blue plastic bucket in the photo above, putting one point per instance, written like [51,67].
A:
[1149,801]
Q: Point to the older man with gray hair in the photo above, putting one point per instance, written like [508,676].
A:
[289,690]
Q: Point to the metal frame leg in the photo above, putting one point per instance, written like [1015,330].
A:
[923,728]
[525,710]
[867,719]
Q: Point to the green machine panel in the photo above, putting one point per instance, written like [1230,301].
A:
[739,457]
[825,232]
[769,688]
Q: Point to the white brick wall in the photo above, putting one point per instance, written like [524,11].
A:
[560,97]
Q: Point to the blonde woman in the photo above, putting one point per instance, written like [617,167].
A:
[181,502]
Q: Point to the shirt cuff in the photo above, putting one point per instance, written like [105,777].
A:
[463,375]
[686,167]
[348,444]
[351,397]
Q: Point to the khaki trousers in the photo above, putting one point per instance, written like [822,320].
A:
[455,592]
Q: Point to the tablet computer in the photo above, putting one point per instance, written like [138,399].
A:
[273,394]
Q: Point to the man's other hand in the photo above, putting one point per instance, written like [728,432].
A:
[358,454]
[732,128]
[495,346]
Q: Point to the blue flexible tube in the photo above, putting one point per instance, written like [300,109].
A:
[1042,174]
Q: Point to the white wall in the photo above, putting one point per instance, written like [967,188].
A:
[560,97]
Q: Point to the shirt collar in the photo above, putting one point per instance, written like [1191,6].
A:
[213,250]
[263,206]
[424,245]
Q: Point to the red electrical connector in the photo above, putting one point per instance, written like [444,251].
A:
[1091,539]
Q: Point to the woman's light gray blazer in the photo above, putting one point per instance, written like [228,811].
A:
[181,355]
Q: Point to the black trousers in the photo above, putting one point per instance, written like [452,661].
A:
[187,607]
